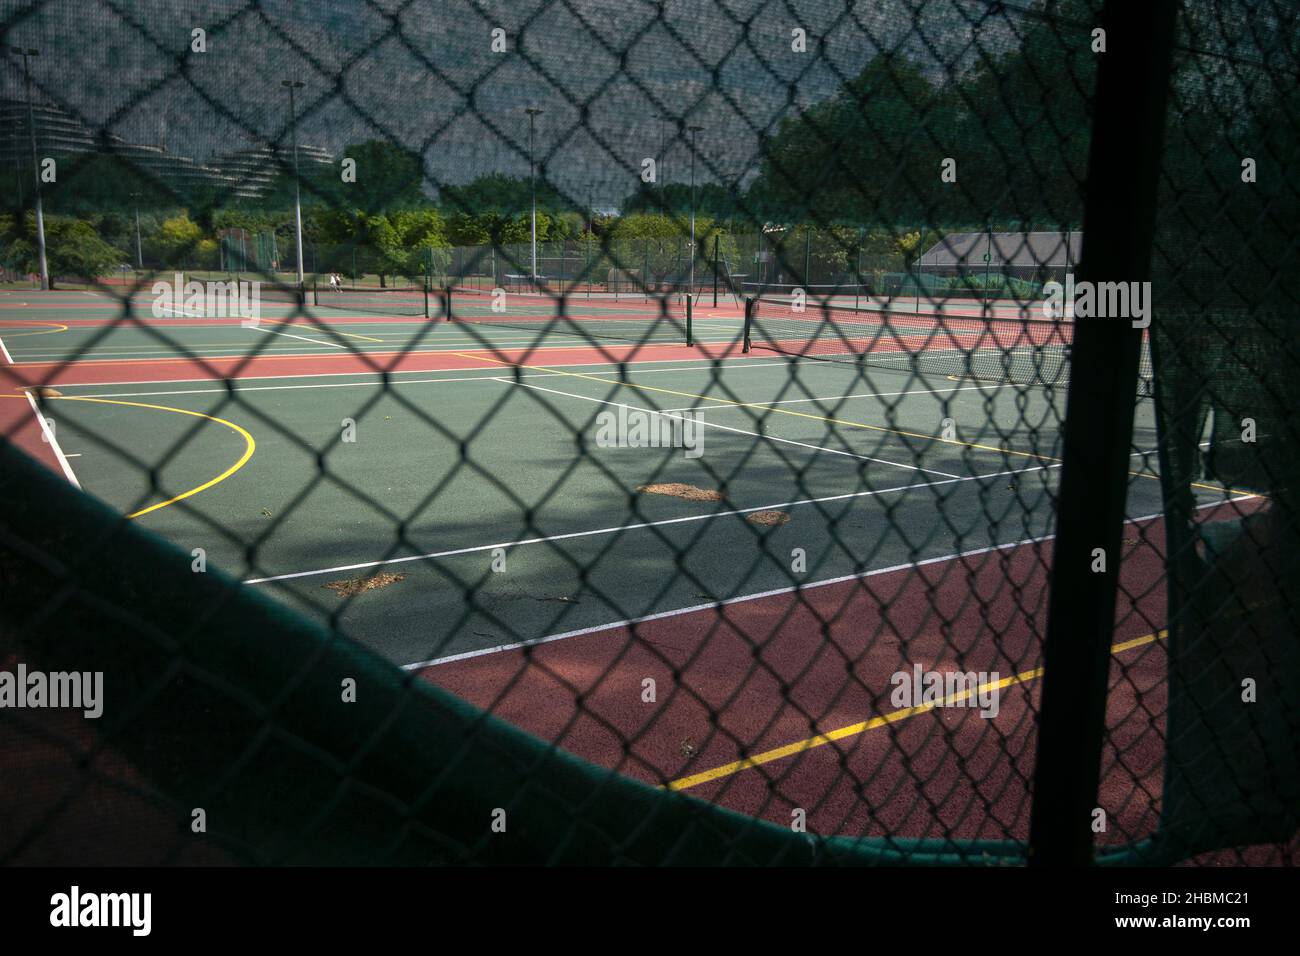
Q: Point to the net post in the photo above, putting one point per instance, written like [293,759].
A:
[315,293]
[690,321]
[749,321]
[424,291]
[716,242]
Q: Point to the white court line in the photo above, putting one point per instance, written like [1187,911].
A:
[9,359]
[832,399]
[281,388]
[466,378]
[760,595]
[640,525]
[290,335]
[183,314]
[424,381]
[738,431]
[48,432]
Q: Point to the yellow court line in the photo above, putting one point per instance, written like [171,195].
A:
[57,327]
[820,418]
[249,444]
[789,750]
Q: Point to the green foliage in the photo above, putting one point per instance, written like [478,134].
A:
[505,195]
[72,249]
[711,199]
[175,240]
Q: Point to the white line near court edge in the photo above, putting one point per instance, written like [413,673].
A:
[738,431]
[760,595]
[181,313]
[48,432]
[455,552]
[392,381]
[9,359]
[833,398]
[290,335]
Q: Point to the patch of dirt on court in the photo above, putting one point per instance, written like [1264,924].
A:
[677,489]
[768,519]
[358,585]
[43,391]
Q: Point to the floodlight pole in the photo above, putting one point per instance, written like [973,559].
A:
[663,139]
[36,169]
[693,129]
[139,254]
[292,85]
[18,171]
[532,111]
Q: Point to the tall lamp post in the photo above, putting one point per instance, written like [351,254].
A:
[663,148]
[292,85]
[532,112]
[139,254]
[36,169]
[693,130]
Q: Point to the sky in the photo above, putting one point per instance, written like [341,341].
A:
[613,77]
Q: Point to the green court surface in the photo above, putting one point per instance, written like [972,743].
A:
[449,472]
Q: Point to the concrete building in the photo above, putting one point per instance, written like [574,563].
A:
[246,174]
[1022,254]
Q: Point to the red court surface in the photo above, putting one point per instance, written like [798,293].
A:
[771,673]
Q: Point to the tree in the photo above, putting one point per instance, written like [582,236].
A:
[388,178]
[711,199]
[174,242]
[72,249]
[505,195]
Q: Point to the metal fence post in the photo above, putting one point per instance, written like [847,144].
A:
[1119,221]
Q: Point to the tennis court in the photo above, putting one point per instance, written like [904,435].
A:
[655,434]
[468,527]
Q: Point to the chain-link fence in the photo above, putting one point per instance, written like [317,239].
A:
[952,521]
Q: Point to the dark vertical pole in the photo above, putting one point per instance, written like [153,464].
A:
[749,320]
[36,171]
[988,261]
[690,311]
[717,238]
[1119,220]
[857,271]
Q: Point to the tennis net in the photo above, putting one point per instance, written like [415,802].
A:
[280,292]
[661,319]
[843,293]
[1007,345]
[400,300]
